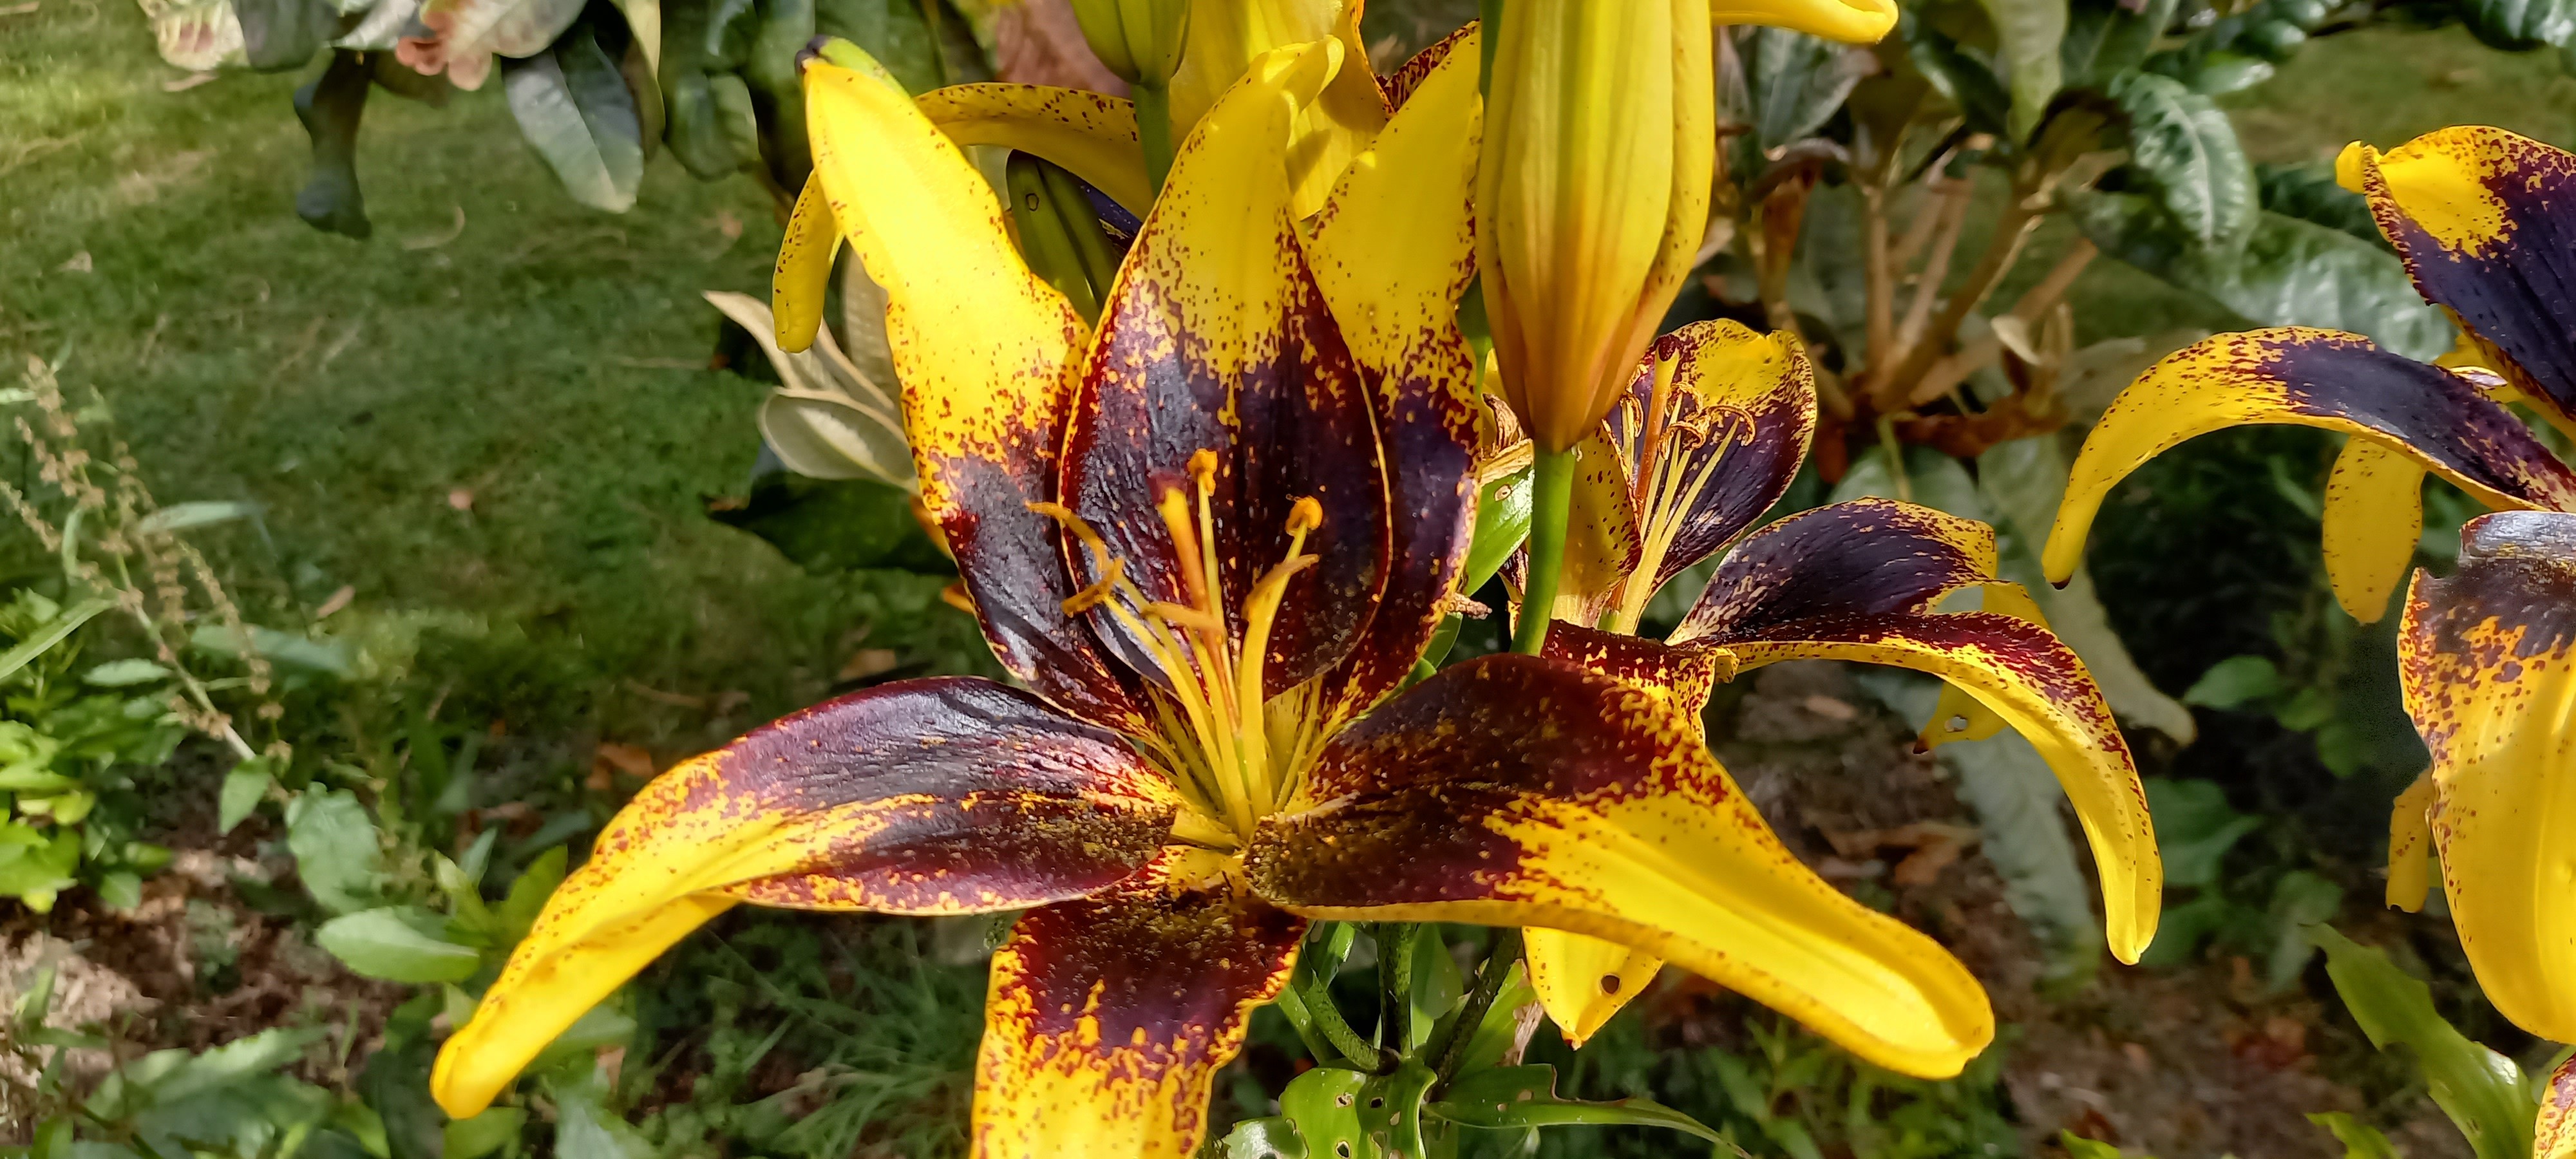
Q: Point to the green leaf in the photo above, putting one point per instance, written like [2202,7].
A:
[2079,1147]
[125,673]
[2289,273]
[1958,76]
[785,28]
[828,526]
[398,944]
[2520,25]
[1795,82]
[337,853]
[36,869]
[244,788]
[28,1013]
[1271,1138]
[337,658]
[2105,38]
[2310,193]
[2195,827]
[484,1133]
[2223,72]
[1502,523]
[1323,1105]
[2360,1140]
[2186,149]
[2482,1091]
[1522,1097]
[182,516]
[2235,682]
[585,1128]
[1391,1107]
[1437,987]
[573,105]
[2301,901]
[892,31]
[2030,34]
[529,892]
[52,632]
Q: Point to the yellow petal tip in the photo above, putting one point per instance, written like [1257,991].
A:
[2349,165]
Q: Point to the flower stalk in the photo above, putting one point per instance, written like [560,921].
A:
[1551,498]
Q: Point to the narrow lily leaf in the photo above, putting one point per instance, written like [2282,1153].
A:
[2486,221]
[1502,528]
[1480,793]
[2374,514]
[1108,1018]
[938,796]
[54,631]
[1092,135]
[2360,1140]
[1524,1097]
[2487,662]
[2317,378]
[987,353]
[1392,251]
[2479,1089]
[2410,845]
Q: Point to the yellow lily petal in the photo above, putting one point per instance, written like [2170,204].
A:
[804,271]
[2316,378]
[2554,1132]
[2487,660]
[2410,845]
[1958,715]
[2024,675]
[1582,981]
[1226,36]
[1849,21]
[1517,790]
[941,796]
[2373,517]
[1108,1019]
[1601,541]
[1092,135]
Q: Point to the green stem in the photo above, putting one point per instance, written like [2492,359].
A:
[1336,1029]
[1154,130]
[1395,984]
[1551,500]
[1292,1006]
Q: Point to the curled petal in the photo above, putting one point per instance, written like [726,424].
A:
[941,796]
[1092,135]
[1958,715]
[2486,221]
[1392,251]
[2410,845]
[1515,790]
[2374,514]
[1716,422]
[1227,37]
[1863,557]
[804,270]
[1109,1018]
[1582,981]
[1602,547]
[1683,674]
[1849,21]
[2315,378]
[986,352]
[2487,661]
[1400,84]
[1215,341]
[2037,685]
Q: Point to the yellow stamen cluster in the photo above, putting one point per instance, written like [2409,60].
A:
[1666,486]
[1232,751]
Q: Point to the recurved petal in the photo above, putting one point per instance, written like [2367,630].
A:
[1216,339]
[1109,1018]
[1715,424]
[2487,660]
[2486,221]
[2374,515]
[1849,21]
[1092,135]
[804,270]
[940,796]
[1862,557]
[1227,37]
[1602,543]
[2022,673]
[1516,790]
[986,352]
[2554,1132]
[1957,715]
[2410,845]
[1392,251]
[1582,981]
[2315,378]
[1682,673]
[1400,84]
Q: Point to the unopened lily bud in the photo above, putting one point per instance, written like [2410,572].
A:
[1139,40]
[1591,195]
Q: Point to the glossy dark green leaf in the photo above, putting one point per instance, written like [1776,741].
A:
[2105,38]
[2226,71]
[2195,827]
[785,28]
[2300,902]
[395,1083]
[1794,82]
[573,105]
[2186,150]
[1323,1104]
[330,106]
[2482,1091]
[2030,36]
[2518,25]
[2309,193]
[283,34]
[2289,272]
[698,132]
[1959,77]
[829,526]
[1390,1110]
[1521,1097]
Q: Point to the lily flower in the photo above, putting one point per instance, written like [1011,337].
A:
[1708,433]
[1212,538]
[2486,223]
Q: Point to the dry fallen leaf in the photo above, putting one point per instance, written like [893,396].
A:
[612,758]
[461,498]
[339,600]
[79,264]
[867,662]
[1829,708]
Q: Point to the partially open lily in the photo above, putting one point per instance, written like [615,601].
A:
[2486,222]
[1707,435]
[1212,537]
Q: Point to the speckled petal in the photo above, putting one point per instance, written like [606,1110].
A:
[1109,1018]
[941,796]
[1092,135]
[1863,557]
[2374,515]
[1728,413]
[2487,660]
[1516,790]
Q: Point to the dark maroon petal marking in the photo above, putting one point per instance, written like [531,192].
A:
[2344,376]
[1013,567]
[1865,557]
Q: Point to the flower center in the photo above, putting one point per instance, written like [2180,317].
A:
[1668,483]
[1232,751]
